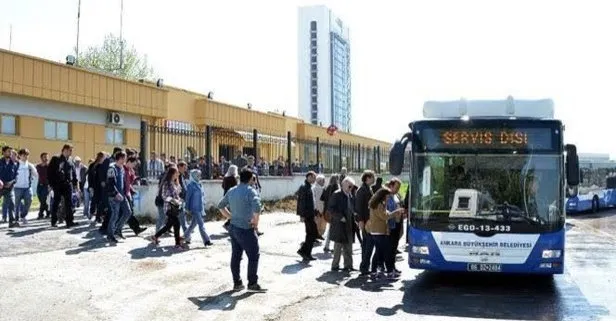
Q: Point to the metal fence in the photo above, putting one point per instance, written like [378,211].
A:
[214,148]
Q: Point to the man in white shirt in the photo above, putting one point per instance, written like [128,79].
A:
[26,173]
[156,166]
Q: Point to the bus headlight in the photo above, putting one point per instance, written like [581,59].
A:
[423,250]
[551,254]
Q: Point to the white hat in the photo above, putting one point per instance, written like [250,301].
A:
[77,159]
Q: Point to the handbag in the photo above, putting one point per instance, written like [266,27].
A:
[158,201]
[174,209]
[327,217]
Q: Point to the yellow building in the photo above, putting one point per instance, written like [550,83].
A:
[44,104]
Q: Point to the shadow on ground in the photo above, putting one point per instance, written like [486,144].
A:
[15,232]
[295,267]
[225,301]
[493,296]
[333,277]
[97,242]
[369,285]
[152,250]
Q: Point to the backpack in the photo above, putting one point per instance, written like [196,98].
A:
[29,177]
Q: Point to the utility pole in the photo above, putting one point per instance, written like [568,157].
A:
[10,36]
[78,22]
[121,39]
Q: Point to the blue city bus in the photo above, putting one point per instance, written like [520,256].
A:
[597,188]
[487,186]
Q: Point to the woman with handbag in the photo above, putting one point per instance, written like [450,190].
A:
[170,192]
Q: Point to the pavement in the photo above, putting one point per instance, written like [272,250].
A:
[60,274]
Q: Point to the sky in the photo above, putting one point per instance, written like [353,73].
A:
[402,53]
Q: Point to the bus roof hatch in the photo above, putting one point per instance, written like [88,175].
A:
[541,108]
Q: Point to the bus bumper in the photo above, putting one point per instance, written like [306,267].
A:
[425,254]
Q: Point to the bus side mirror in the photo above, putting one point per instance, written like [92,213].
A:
[572,166]
[396,158]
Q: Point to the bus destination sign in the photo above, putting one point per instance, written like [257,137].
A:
[496,138]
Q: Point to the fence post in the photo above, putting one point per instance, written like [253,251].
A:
[358,158]
[255,137]
[378,159]
[339,155]
[374,158]
[208,152]
[289,153]
[318,155]
[143,152]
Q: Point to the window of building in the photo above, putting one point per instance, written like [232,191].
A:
[313,51]
[313,59]
[313,99]
[313,83]
[8,125]
[313,43]
[114,136]
[314,74]
[313,25]
[57,130]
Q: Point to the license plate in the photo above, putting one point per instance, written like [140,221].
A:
[481,267]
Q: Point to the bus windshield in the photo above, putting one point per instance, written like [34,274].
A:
[517,193]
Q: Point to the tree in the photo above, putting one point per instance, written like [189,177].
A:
[106,58]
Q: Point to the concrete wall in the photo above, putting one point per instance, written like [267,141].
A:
[273,188]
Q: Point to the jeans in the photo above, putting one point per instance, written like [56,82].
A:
[161,218]
[326,233]
[244,240]
[182,218]
[42,191]
[394,238]
[172,221]
[118,216]
[197,220]
[383,253]
[86,203]
[24,194]
[367,248]
[8,204]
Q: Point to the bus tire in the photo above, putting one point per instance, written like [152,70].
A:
[595,204]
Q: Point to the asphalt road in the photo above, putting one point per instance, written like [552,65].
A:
[59,274]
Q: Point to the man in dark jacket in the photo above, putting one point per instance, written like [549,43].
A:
[8,175]
[306,210]
[341,206]
[101,179]
[118,200]
[362,198]
[63,181]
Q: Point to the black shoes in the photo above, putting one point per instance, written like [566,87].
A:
[305,256]
[255,287]
[238,286]
[140,230]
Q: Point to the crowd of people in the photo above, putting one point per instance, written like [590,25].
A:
[372,213]
[339,212]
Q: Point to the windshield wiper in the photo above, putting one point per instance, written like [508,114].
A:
[509,211]
[509,215]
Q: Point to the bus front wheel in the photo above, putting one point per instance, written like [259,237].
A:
[595,204]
